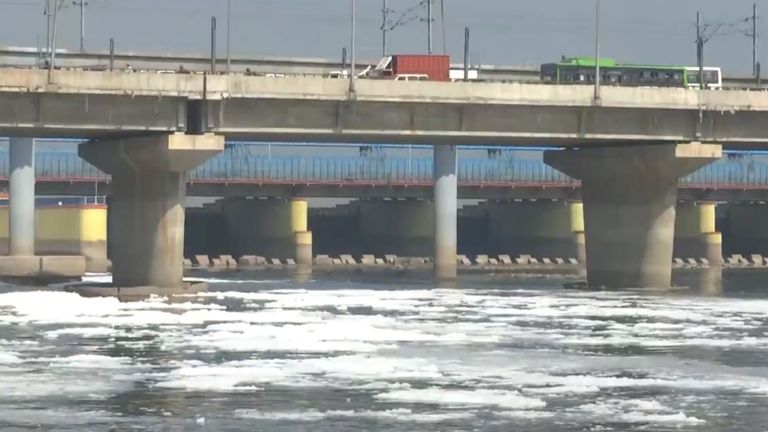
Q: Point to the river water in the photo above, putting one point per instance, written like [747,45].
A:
[336,354]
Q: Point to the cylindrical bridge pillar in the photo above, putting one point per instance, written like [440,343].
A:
[22,197]
[446,211]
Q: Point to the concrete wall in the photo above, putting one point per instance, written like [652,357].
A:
[539,228]
[67,230]
[206,232]
[401,227]
[744,228]
[259,227]
[336,230]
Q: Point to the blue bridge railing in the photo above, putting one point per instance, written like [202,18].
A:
[234,167]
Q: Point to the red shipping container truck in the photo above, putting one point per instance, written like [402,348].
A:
[437,67]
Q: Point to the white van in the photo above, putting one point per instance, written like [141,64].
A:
[411,77]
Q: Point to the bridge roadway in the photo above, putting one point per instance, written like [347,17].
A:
[87,104]
[628,149]
[237,172]
[165,62]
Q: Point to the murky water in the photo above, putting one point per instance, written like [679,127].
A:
[340,355]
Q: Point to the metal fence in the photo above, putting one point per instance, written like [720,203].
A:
[237,167]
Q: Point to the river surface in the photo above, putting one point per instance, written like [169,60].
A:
[335,354]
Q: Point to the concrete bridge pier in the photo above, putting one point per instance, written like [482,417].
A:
[148,197]
[630,194]
[695,233]
[22,197]
[446,212]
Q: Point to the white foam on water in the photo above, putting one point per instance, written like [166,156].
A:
[441,396]
[512,353]
[90,361]
[523,414]
[97,278]
[637,411]
[564,390]
[58,418]
[212,280]
[225,377]
[33,385]
[87,332]
[396,415]
[674,419]
[8,357]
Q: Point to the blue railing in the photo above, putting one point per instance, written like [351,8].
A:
[233,166]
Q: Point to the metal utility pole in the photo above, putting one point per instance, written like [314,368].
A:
[229,34]
[442,26]
[213,45]
[111,54]
[754,39]
[700,50]
[466,54]
[82,25]
[597,51]
[384,16]
[48,14]
[429,27]
[52,60]
[352,73]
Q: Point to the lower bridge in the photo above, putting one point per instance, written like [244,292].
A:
[260,171]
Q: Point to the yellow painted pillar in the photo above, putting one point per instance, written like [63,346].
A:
[577,229]
[302,237]
[5,225]
[695,233]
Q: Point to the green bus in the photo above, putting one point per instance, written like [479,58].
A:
[581,70]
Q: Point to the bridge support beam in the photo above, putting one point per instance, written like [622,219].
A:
[630,194]
[147,203]
[446,211]
[695,232]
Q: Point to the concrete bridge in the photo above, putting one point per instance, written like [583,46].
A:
[628,149]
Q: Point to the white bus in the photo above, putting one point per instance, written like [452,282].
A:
[713,77]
